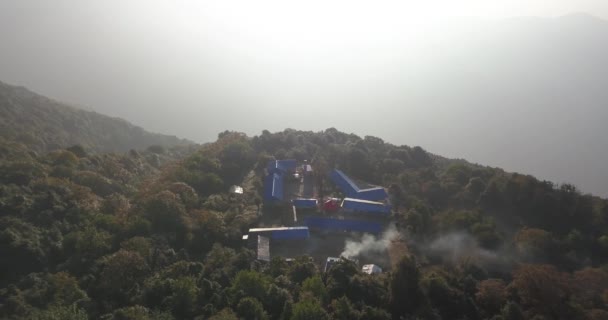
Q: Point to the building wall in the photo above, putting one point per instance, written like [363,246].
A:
[374,194]
[343,225]
[282,233]
[290,234]
[361,206]
[305,203]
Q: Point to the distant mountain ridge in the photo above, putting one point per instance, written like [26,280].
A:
[45,124]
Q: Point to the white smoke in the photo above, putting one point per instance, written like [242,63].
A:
[459,245]
[370,243]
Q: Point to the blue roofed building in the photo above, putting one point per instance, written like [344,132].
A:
[358,205]
[351,190]
[273,188]
[305,203]
[282,233]
[275,180]
[372,194]
[331,224]
[348,187]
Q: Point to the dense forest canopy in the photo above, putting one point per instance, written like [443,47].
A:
[155,234]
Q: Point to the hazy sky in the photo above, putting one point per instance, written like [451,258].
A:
[405,71]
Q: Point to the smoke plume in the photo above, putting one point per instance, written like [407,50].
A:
[369,243]
[458,245]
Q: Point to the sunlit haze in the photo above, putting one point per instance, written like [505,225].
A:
[441,74]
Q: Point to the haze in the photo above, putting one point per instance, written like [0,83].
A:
[515,84]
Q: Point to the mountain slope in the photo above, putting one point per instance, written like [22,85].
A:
[45,124]
[114,236]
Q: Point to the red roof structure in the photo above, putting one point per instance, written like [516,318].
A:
[331,205]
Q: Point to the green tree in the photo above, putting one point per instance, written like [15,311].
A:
[166,212]
[250,284]
[406,295]
[139,313]
[512,311]
[225,314]
[543,289]
[315,286]
[122,274]
[60,313]
[301,269]
[309,310]
[339,278]
[491,295]
[370,313]
[343,309]
[251,308]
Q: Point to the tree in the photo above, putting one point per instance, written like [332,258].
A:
[534,243]
[250,284]
[589,285]
[447,301]
[543,289]
[309,309]
[491,295]
[207,227]
[301,269]
[315,286]
[370,313]
[406,294]
[61,313]
[420,157]
[237,159]
[78,150]
[140,245]
[64,158]
[99,184]
[251,308]
[184,296]
[343,309]
[63,290]
[475,186]
[512,311]
[138,312]
[122,273]
[23,243]
[225,314]
[166,212]
[276,301]
[597,314]
[85,246]
[339,278]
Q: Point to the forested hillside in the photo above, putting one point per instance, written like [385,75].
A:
[44,125]
[141,236]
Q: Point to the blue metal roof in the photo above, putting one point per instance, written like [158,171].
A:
[372,194]
[305,203]
[351,189]
[365,206]
[343,225]
[273,187]
[344,183]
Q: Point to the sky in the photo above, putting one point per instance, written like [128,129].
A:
[410,72]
